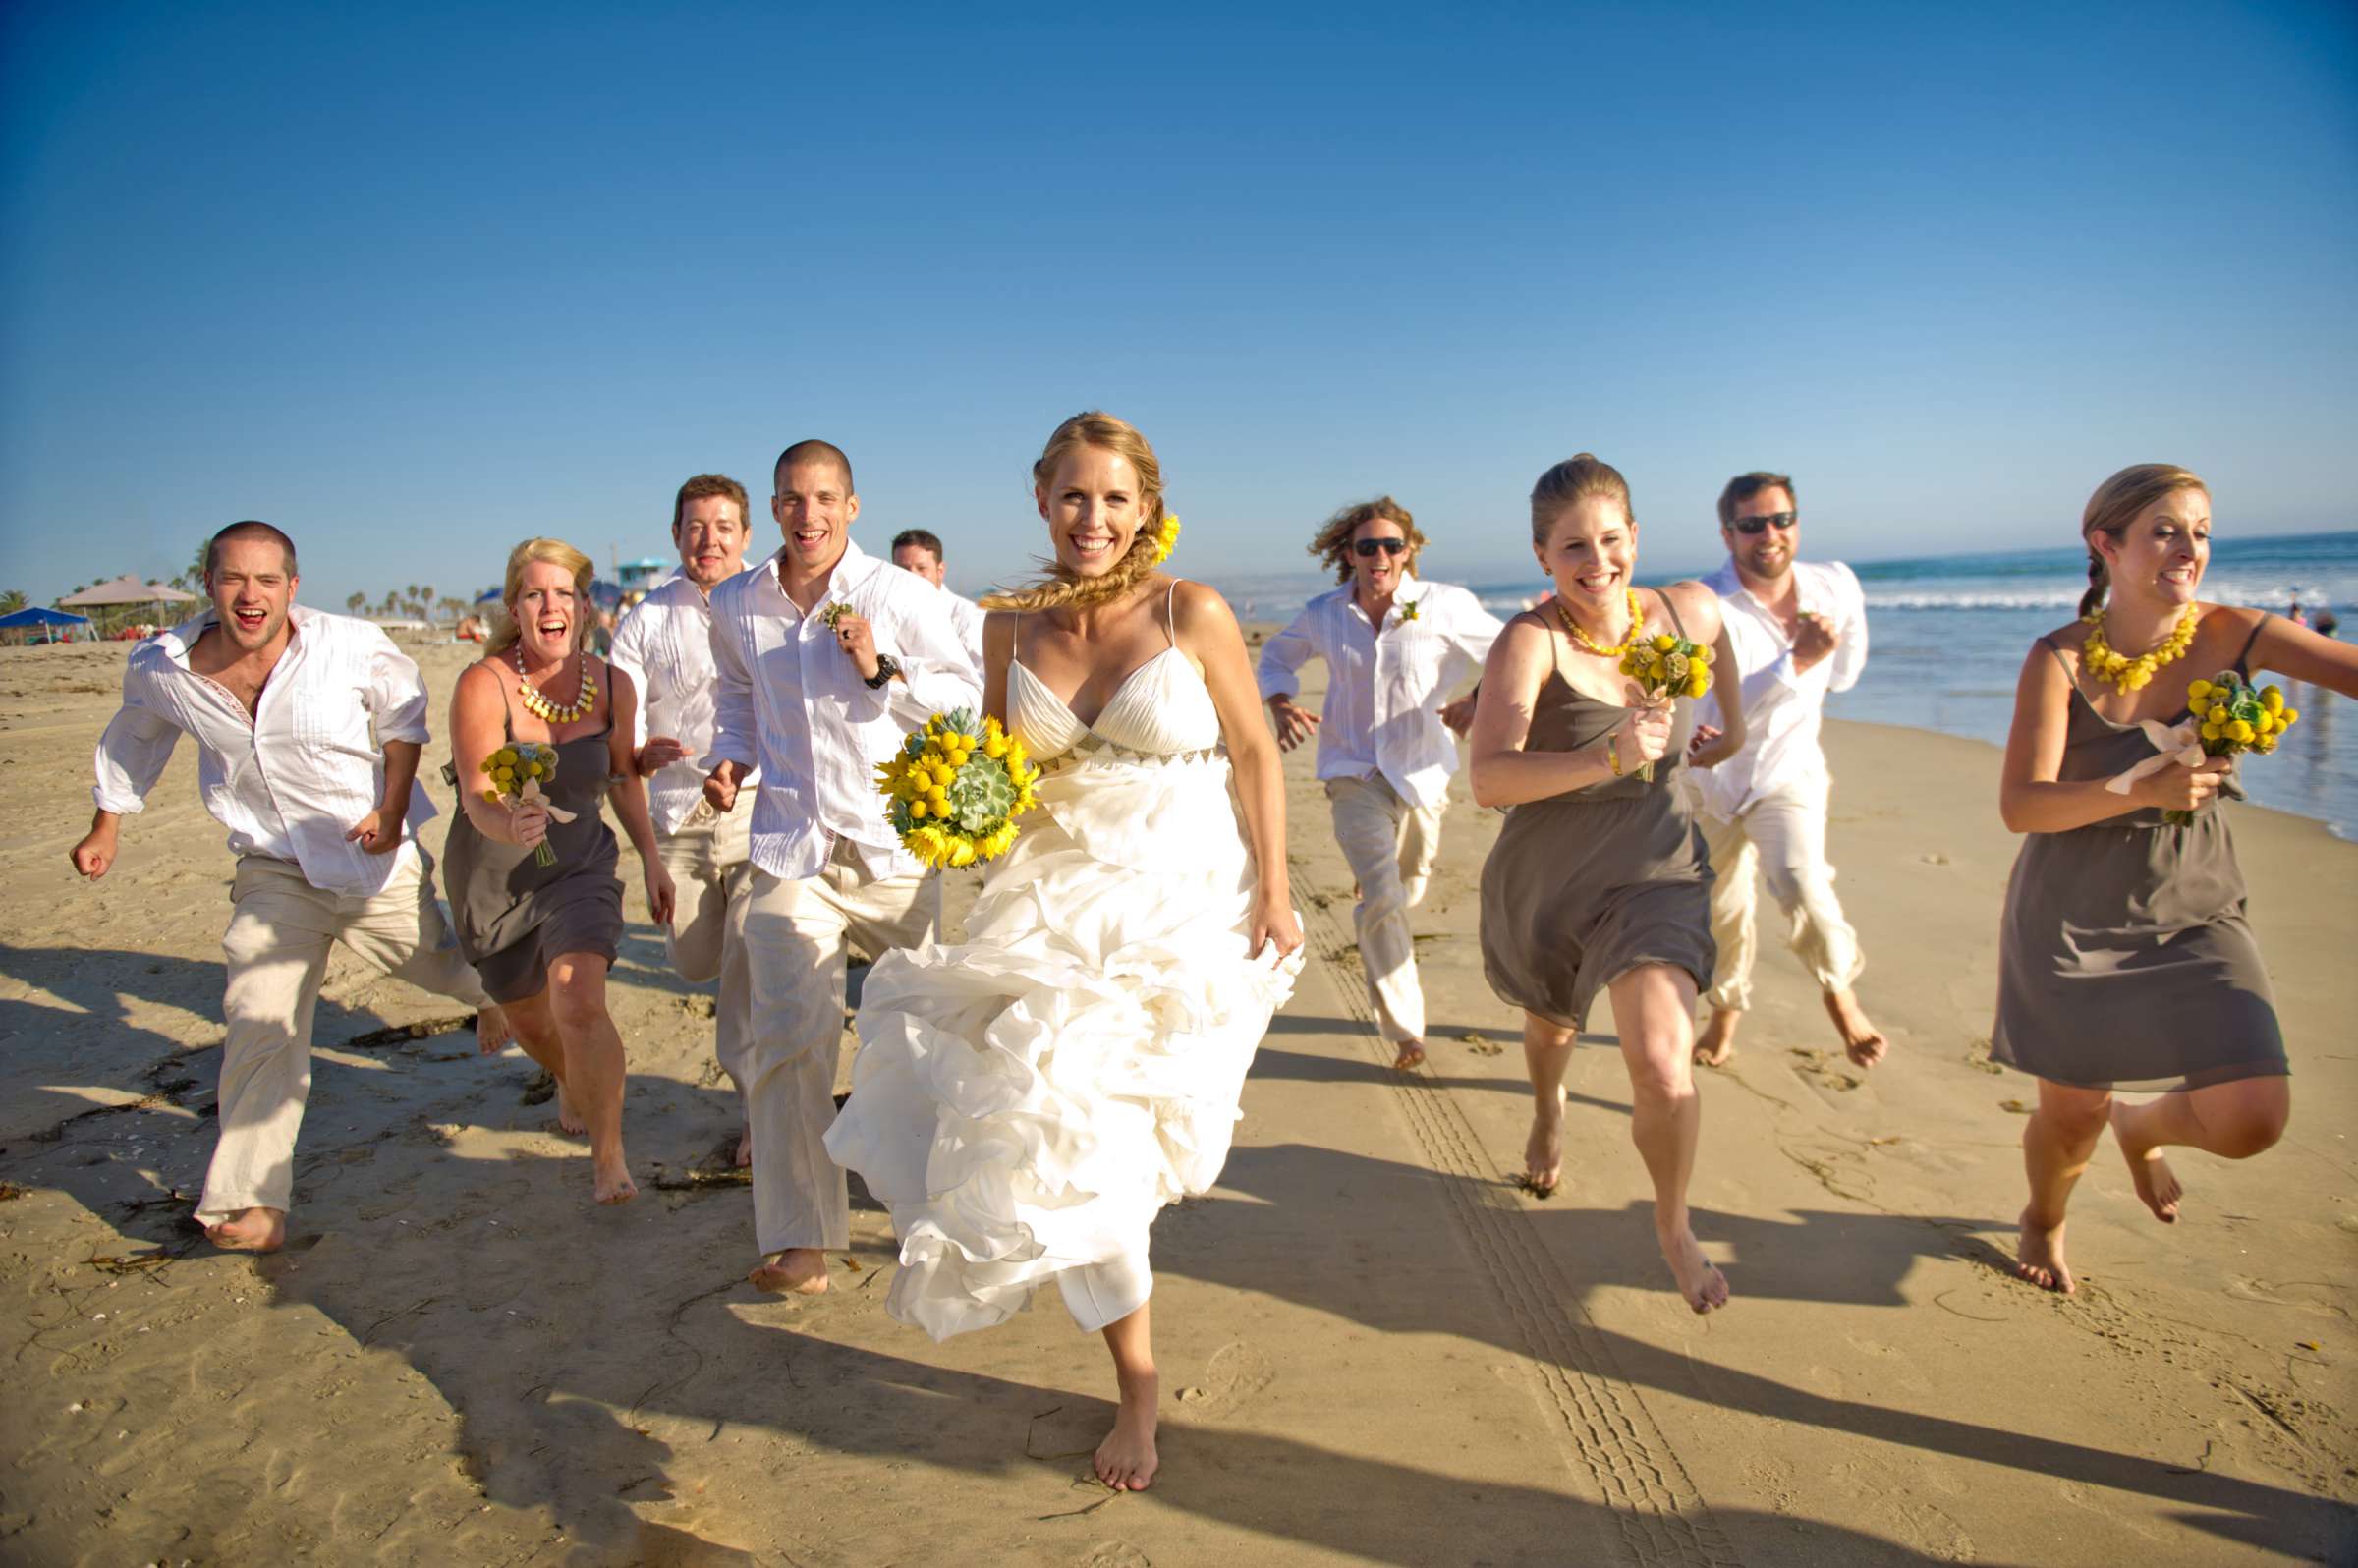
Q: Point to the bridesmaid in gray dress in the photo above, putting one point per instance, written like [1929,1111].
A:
[2124,957]
[1599,880]
[542,937]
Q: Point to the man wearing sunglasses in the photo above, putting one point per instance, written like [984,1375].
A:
[1798,630]
[1395,646]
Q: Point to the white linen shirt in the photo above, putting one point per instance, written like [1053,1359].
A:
[1384,688]
[792,703]
[1782,706]
[291,779]
[664,644]
[967,616]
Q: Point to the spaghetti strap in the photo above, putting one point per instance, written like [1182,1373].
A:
[1672,604]
[1170,612]
[2242,667]
[2069,674]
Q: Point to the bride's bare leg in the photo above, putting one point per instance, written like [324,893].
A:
[1126,1460]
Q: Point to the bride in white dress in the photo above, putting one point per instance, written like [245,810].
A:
[1026,1102]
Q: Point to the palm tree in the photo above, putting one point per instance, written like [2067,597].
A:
[12,601]
[356,602]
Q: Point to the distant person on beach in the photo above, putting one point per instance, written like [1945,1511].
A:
[1395,647]
[283,701]
[827,657]
[2326,622]
[919,550]
[664,644]
[1598,881]
[532,884]
[2126,959]
[1799,629]
[2293,613]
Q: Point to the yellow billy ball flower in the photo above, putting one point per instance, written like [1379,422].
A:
[2198,691]
[2273,699]
[917,811]
[1664,642]
[2241,731]
[2292,714]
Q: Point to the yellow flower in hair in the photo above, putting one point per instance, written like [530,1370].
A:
[1166,539]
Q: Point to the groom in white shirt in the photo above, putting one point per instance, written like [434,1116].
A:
[1798,630]
[1394,645]
[827,657]
[309,728]
[665,646]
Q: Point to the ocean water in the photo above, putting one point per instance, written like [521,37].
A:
[1947,636]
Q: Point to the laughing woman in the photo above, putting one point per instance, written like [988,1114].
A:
[1598,881]
[543,936]
[2124,959]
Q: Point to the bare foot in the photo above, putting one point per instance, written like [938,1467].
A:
[1717,1041]
[1861,1041]
[493,1033]
[251,1230]
[1703,1285]
[1543,1154]
[745,1148]
[611,1182]
[2039,1255]
[568,1119]
[798,1270]
[1412,1054]
[1126,1460]
[2156,1182]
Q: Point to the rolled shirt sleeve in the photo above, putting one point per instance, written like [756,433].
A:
[1850,649]
[395,693]
[629,655]
[1471,632]
[1283,655]
[937,675]
[132,752]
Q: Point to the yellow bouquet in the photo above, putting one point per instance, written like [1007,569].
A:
[2235,718]
[513,776]
[956,787]
[1666,667]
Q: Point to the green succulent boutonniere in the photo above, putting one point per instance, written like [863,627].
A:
[1410,609]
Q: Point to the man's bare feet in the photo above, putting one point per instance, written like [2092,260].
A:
[1717,1041]
[2157,1183]
[1412,1054]
[1861,1041]
[744,1148]
[798,1270]
[611,1183]
[1126,1460]
[251,1230]
[569,1120]
[493,1033]
[2039,1255]
[1543,1152]
[1703,1285]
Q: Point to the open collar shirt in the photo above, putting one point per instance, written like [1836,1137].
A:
[664,644]
[291,778]
[792,703]
[1386,684]
[1782,706]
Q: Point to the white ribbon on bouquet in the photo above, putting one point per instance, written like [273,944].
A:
[2179,743]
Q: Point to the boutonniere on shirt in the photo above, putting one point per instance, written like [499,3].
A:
[834,613]
[1410,609]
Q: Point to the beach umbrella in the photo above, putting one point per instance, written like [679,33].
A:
[36,615]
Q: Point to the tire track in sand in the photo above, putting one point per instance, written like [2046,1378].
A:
[1607,1432]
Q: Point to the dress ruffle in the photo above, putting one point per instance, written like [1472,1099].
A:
[1026,1102]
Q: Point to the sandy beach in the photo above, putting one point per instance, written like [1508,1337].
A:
[1374,1348]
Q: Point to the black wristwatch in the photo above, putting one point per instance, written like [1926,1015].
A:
[887,668]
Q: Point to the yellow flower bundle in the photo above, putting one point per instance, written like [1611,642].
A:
[1666,667]
[955,789]
[515,774]
[2235,717]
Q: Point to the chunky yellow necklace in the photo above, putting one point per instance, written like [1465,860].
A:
[2126,674]
[535,702]
[1637,624]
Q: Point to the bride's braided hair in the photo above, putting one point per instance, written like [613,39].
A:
[1064,587]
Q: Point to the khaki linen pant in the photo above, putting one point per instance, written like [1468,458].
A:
[798,934]
[708,857]
[1781,834]
[280,928]
[1390,846]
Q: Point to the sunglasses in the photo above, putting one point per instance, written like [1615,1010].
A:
[1779,520]
[1363,548]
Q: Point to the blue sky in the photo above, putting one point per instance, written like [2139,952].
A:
[416,282]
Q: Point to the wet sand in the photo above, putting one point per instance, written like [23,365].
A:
[1374,1348]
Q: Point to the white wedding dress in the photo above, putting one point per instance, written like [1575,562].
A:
[1026,1102]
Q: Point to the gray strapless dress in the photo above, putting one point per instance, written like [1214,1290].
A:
[512,915]
[2124,957]
[1583,887]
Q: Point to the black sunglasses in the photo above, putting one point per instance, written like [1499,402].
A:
[1367,547]
[1780,520]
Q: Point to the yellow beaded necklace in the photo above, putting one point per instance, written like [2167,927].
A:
[536,701]
[2126,674]
[1637,624]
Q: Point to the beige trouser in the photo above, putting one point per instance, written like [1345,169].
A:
[277,948]
[797,937]
[1781,834]
[1390,846]
[708,859]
